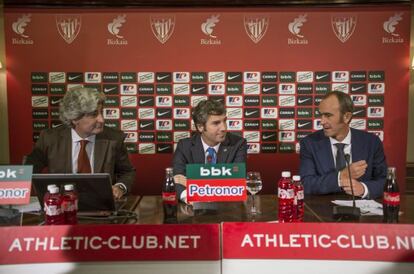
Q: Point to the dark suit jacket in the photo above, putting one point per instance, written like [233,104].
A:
[54,151]
[191,151]
[317,167]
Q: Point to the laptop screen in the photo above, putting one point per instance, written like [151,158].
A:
[94,190]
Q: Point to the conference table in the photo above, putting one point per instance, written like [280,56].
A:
[318,208]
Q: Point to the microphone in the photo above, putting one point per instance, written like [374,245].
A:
[345,212]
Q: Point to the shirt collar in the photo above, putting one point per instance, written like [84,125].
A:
[205,146]
[346,140]
[76,138]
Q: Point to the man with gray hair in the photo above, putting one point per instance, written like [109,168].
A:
[83,144]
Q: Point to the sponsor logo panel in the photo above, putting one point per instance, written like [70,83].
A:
[129,125]
[146,148]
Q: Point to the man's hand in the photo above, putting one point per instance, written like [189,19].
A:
[357,170]
[180,179]
[117,192]
[358,188]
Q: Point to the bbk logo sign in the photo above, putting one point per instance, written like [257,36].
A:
[178,135]
[111,113]
[376,88]
[146,77]
[253,148]
[181,89]
[251,89]
[234,101]
[216,77]
[251,77]
[131,137]
[129,101]
[286,136]
[163,101]
[146,113]
[286,101]
[181,77]
[93,77]
[216,89]
[164,124]
[234,124]
[286,124]
[359,124]
[359,100]
[287,88]
[269,113]
[344,87]
[234,113]
[128,89]
[376,112]
[304,76]
[215,172]
[146,148]
[57,77]
[251,136]
[129,125]
[340,76]
[181,113]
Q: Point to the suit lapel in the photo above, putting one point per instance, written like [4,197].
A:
[101,145]
[324,149]
[223,152]
[357,147]
[197,150]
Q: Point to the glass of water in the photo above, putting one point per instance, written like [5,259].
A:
[254,185]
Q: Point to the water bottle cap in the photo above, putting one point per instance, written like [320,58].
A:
[50,186]
[54,190]
[286,174]
[69,187]
[296,178]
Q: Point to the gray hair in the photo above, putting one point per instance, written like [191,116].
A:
[78,102]
[204,109]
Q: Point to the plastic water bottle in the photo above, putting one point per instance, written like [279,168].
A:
[298,204]
[70,205]
[286,195]
[53,207]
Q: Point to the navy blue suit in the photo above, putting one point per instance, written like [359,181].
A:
[317,166]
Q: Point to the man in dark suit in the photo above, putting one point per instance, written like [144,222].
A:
[83,144]
[323,154]
[210,144]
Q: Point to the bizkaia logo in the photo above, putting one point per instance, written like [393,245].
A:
[181,77]
[286,136]
[269,136]
[146,148]
[234,124]
[376,112]
[163,125]
[358,124]
[304,76]
[114,29]
[359,100]
[340,76]
[287,101]
[181,113]
[146,77]
[216,89]
[111,113]
[146,125]
[343,26]
[251,113]
[146,113]
[304,124]
[131,137]
[234,101]
[376,88]
[162,27]
[390,28]
[343,87]
[181,89]
[234,77]
[304,100]
[207,28]
[163,77]
[378,133]
[164,113]
[19,27]
[269,113]
[286,124]
[93,77]
[251,77]
[252,89]
[216,77]
[295,28]
[251,125]
[251,136]
[253,148]
[146,101]
[234,113]
[164,148]
[128,89]
[163,101]
[129,101]
[127,125]
[256,27]
[287,88]
[68,26]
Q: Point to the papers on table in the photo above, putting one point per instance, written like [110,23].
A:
[30,207]
[367,207]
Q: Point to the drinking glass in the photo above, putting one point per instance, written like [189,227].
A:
[254,185]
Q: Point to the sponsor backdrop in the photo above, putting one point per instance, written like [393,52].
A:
[269,66]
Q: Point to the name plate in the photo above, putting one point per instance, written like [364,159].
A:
[15,184]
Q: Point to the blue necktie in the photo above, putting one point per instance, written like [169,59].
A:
[340,156]
[211,156]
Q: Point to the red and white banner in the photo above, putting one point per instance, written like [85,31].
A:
[89,243]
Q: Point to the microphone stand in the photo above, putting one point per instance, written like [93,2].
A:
[345,212]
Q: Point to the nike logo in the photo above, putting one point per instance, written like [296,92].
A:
[163,148]
[250,113]
[356,88]
[145,125]
[319,77]
[141,102]
[301,101]
[198,89]
[162,113]
[267,89]
[159,78]
[106,90]
[231,77]
[54,102]
[56,125]
[70,78]
[265,137]
[358,111]
[302,125]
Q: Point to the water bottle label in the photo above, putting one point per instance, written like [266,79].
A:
[286,193]
[169,198]
[69,207]
[52,210]
[301,195]
[392,198]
